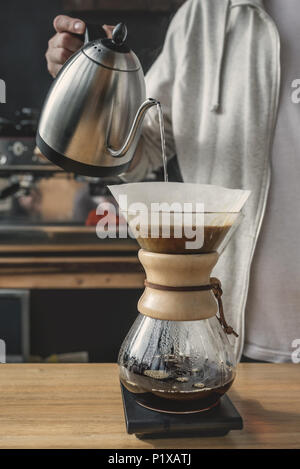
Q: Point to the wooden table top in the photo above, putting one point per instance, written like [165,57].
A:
[80,406]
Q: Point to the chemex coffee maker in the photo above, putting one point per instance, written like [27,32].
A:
[176,362]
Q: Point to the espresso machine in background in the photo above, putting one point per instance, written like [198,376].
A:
[27,177]
[20,167]
[17,139]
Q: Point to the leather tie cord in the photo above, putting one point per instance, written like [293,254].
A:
[217,290]
[215,286]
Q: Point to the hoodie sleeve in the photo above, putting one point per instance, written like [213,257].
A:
[160,81]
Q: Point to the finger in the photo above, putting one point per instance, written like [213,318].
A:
[58,55]
[108,29]
[51,69]
[66,41]
[54,69]
[63,23]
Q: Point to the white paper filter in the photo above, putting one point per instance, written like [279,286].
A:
[216,199]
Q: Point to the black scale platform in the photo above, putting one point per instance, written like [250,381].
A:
[151,424]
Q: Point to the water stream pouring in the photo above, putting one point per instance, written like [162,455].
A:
[177,358]
[92,117]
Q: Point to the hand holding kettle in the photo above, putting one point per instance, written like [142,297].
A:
[66,41]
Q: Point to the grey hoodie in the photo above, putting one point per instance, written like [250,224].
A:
[218,79]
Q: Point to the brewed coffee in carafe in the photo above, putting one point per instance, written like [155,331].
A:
[177,366]
[177,357]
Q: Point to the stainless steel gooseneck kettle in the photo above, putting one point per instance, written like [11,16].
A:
[92,116]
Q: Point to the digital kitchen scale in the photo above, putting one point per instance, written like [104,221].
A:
[145,423]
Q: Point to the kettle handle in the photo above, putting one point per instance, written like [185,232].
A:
[92,32]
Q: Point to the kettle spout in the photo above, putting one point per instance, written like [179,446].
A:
[134,134]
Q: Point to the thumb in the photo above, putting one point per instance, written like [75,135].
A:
[63,23]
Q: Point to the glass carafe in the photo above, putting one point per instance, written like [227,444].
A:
[177,366]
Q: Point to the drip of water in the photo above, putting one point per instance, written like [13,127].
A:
[163,140]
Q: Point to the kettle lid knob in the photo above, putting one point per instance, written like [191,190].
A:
[119,34]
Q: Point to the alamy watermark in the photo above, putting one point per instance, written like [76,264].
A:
[2,351]
[159,220]
[296,353]
[2,92]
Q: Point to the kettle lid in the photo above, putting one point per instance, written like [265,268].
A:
[113,53]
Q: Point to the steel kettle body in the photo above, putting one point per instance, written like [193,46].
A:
[92,116]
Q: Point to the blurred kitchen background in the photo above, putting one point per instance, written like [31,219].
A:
[62,290]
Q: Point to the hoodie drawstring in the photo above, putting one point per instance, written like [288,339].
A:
[217,86]
[218,76]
